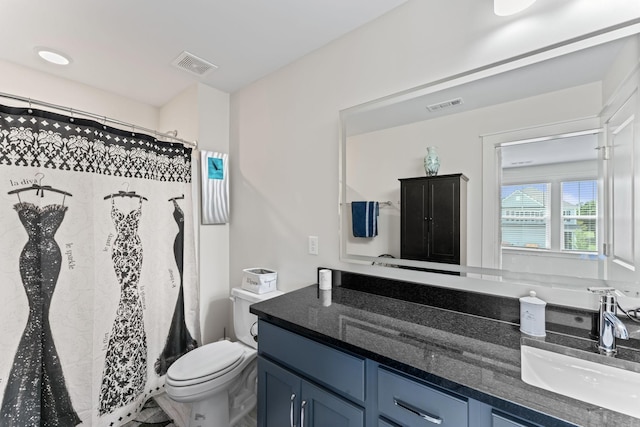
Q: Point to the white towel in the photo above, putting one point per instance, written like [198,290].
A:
[215,187]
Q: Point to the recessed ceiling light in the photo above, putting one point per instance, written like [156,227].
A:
[53,56]
[510,7]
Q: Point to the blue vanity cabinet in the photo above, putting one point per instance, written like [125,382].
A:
[303,383]
[288,400]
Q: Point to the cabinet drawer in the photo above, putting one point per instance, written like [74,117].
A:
[500,421]
[415,404]
[340,371]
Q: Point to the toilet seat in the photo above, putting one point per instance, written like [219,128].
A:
[205,363]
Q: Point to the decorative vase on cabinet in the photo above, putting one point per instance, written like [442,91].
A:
[431,161]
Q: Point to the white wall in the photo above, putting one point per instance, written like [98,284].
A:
[213,106]
[202,113]
[21,81]
[284,127]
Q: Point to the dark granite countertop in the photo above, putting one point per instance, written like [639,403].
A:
[473,355]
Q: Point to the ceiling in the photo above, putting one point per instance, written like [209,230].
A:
[127,47]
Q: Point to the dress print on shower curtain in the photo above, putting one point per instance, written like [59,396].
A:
[179,340]
[36,392]
[107,321]
[125,364]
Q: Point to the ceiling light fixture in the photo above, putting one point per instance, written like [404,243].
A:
[52,56]
[510,7]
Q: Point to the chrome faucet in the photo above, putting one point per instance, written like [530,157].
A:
[611,327]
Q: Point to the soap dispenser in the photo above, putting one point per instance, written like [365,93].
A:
[532,315]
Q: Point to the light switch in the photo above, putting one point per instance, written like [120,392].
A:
[313,245]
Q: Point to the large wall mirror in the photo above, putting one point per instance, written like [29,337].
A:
[548,144]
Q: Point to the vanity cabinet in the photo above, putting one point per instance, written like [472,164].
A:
[433,218]
[289,400]
[304,383]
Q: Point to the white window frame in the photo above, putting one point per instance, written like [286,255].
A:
[491,176]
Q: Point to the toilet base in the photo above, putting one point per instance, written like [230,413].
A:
[211,412]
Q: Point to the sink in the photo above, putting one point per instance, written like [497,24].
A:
[591,378]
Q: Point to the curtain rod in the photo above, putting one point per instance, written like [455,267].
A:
[193,144]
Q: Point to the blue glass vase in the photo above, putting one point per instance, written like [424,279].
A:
[431,162]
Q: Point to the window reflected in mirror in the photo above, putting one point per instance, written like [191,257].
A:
[550,215]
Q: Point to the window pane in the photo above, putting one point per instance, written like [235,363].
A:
[525,216]
[580,216]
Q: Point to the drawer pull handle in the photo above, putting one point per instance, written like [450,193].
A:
[302,405]
[416,411]
[293,398]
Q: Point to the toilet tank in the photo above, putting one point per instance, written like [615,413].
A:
[245,324]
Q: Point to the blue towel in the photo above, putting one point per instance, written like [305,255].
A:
[364,218]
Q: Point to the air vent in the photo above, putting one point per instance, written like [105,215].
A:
[445,104]
[192,64]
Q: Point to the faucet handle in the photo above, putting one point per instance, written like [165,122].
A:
[605,291]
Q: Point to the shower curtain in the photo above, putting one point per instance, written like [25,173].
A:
[99,293]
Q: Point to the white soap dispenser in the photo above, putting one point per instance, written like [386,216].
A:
[532,319]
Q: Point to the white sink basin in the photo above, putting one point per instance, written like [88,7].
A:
[600,384]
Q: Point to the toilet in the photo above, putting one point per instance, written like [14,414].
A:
[219,379]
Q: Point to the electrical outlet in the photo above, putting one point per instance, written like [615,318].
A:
[313,245]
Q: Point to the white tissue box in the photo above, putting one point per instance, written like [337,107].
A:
[259,280]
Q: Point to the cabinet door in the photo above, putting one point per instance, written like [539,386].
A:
[319,408]
[444,220]
[278,396]
[413,221]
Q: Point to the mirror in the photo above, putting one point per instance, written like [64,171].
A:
[554,127]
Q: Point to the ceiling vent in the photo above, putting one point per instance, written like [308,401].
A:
[192,64]
[446,104]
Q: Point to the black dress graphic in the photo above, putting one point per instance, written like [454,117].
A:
[125,365]
[36,392]
[179,340]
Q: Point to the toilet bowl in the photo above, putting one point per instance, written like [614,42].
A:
[219,379]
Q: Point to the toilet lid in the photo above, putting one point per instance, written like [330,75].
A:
[205,361]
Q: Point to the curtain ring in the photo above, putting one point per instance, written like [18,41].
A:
[41,177]
[39,190]
[71,111]
[104,123]
[30,110]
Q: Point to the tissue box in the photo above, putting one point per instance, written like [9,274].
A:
[259,280]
